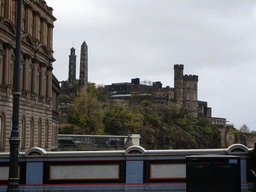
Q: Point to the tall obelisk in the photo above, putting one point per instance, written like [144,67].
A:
[83,79]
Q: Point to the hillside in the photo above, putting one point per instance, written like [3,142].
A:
[160,126]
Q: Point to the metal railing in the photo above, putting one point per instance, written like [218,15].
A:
[99,141]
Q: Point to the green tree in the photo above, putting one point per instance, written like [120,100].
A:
[165,126]
[97,91]
[122,120]
[66,130]
[89,113]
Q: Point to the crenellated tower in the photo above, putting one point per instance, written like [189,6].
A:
[178,84]
[190,93]
[185,90]
[72,66]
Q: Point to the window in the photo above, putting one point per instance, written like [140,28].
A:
[46,133]
[188,97]
[31,133]
[39,132]
[2,132]
[32,78]
[23,133]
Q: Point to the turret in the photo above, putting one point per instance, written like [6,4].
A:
[190,93]
[178,84]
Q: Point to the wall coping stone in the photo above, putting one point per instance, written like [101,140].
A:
[36,152]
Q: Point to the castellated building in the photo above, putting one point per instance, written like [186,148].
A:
[39,88]
[183,96]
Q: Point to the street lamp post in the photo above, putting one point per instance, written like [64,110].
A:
[13,181]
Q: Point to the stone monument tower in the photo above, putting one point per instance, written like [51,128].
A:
[72,66]
[185,90]
[83,79]
[178,84]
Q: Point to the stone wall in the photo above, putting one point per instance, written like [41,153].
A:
[245,139]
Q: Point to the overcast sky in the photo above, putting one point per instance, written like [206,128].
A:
[214,39]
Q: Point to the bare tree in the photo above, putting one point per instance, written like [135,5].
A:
[244,129]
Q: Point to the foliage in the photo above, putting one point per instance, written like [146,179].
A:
[97,92]
[71,117]
[70,89]
[121,120]
[244,130]
[160,126]
[88,110]
[66,130]
[170,127]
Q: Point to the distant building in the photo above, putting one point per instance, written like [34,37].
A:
[184,95]
[39,88]
[185,90]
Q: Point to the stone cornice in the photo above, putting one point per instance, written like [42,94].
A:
[27,56]
[41,9]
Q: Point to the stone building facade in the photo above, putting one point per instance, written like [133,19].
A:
[38,116]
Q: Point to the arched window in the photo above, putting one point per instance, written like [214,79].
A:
[188,97]
[46,133]
[31,133]
[32,67]
[2,8]
[2,133]
[23,133]
[40,87]
[39,132]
